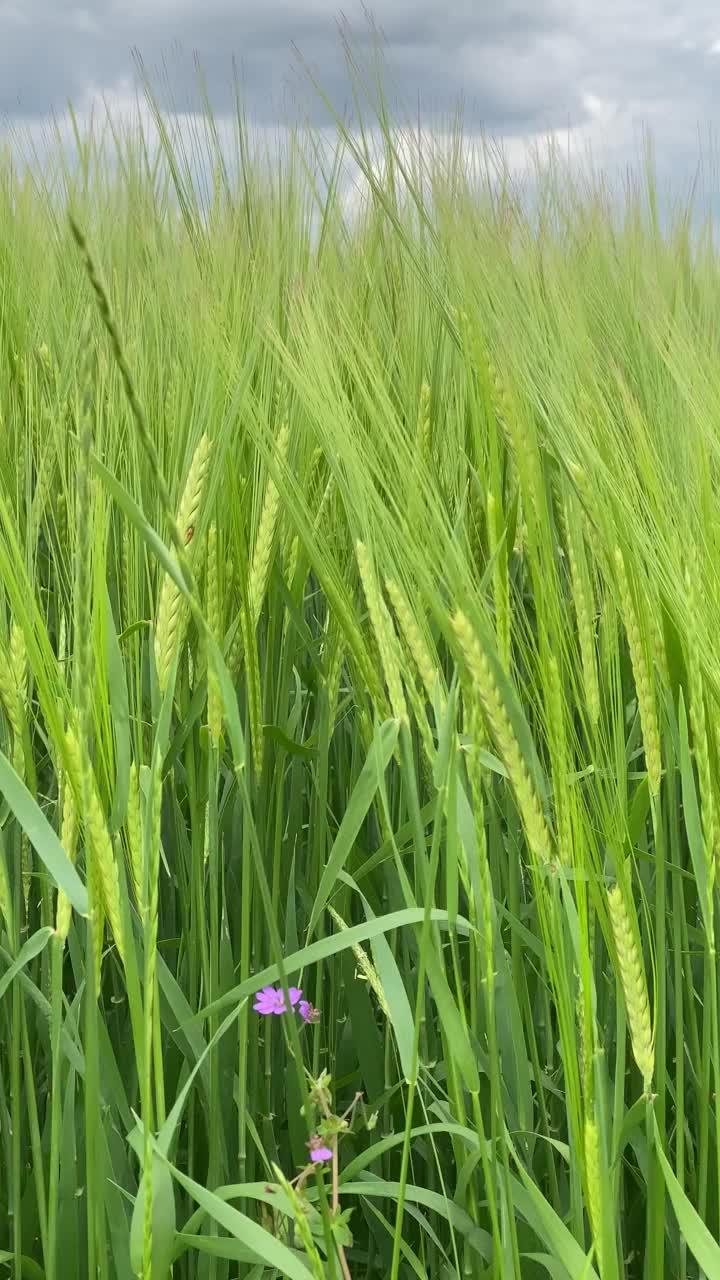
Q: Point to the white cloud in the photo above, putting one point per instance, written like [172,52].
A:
[12,13]
[534,74]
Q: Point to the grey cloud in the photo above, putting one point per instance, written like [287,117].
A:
[48,55]
[521,66]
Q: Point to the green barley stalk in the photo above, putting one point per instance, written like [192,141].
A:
[81,776]
[19,669]
[63,917]
[300,1211]
[334,666]
[423,423]
[151,888]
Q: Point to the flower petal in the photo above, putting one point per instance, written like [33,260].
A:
[320,1155]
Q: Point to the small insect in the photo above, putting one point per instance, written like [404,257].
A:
[189,533]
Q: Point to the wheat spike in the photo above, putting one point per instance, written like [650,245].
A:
[585,1043]
[581,588]
[265,539]
[18,662]
[593,1184]
[657,641]
[384,632]
[559,754]
[698,724]
[536,829]
[68,840]
[6,912]
[521,439]
[501,583]
[172,614]
[365,965]
[645,695]
[414,639]
[18,666]
[9,694]
[632,977]
[474,727]
[335,656]
[291,560]
[133,824]
[97,838]
[215,706]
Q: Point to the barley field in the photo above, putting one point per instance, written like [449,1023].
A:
[360,737]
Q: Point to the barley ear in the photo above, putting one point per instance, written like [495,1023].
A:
[102,867]
[365,965]
[498,721]
[473,724]
[584,603]
[6,912]
[265,538]
[416,644]
[698,723]
[134,828]
[68,840]
[641,672]
[632,978]
[172,613]
[214,619]
[13,687]
[385,635]
[594,1185]
[501,583]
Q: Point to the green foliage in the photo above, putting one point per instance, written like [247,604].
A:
[515,418]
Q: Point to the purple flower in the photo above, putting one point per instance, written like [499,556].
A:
[272,1000]
[308,1013]
[319,1153]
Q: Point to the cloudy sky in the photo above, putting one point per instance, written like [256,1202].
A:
[588,71]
